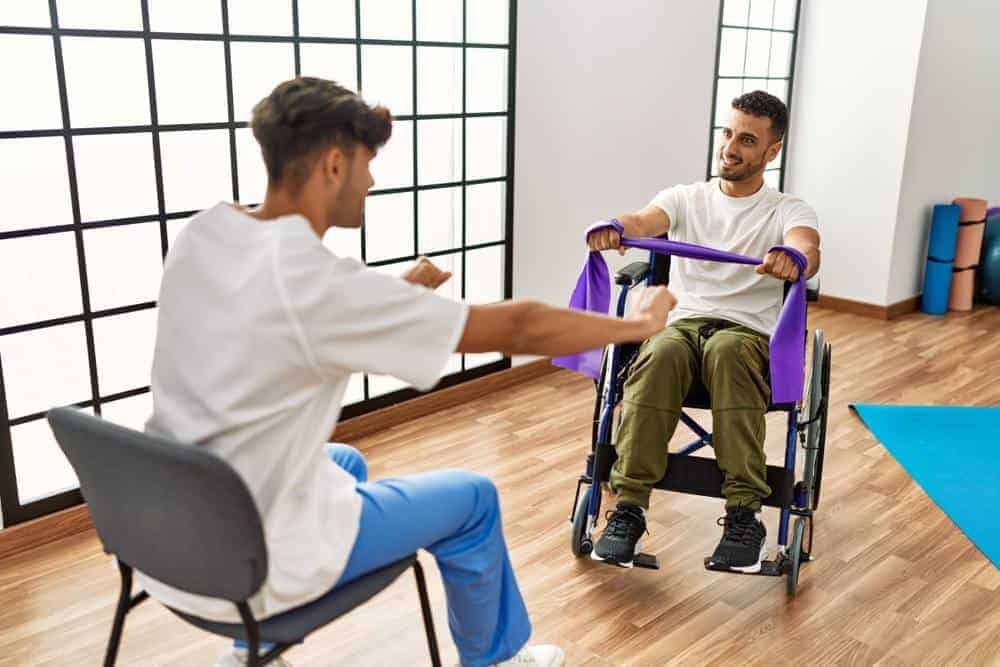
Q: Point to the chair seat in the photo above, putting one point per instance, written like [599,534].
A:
[294,625]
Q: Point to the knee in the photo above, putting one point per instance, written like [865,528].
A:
[481,486]
[350,459]
[661,355]
[724,351]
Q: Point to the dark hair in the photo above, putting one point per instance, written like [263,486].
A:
[305,116]
[764,105]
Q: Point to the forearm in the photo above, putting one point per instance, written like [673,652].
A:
[806,241]
[647,223]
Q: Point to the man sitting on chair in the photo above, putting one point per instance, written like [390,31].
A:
[719,332]
[260,328]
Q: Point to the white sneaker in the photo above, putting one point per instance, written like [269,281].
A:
[237,657]
[545,655]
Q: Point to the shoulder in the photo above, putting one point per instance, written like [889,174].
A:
[794,210]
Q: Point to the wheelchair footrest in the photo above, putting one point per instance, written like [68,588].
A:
[648,561]
[769,568]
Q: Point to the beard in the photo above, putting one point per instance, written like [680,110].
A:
[740,171]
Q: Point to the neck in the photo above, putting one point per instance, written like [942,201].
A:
[744,188]
[278,203]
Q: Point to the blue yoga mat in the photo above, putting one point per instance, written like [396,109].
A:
[953,453]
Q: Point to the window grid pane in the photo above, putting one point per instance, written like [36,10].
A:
[125,167]
[756,52]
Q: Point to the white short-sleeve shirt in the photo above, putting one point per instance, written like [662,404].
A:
[259,329]
[701,213]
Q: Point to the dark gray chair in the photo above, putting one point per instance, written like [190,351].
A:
[184,517]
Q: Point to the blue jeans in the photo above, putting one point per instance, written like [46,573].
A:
[454,515]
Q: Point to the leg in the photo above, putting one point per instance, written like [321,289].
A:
[454,515]
[658,381]
[734,370]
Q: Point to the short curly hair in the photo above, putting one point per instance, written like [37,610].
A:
[306,115]
[764,105]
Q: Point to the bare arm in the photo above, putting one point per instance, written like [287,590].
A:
[778,264]
[649,222]
[527,327]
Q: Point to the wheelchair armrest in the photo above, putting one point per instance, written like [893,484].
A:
[632,274]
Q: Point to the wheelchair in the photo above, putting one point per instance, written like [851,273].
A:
[796,496]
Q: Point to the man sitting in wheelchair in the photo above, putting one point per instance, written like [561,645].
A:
[718,333]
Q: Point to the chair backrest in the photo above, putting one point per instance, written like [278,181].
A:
[174,512]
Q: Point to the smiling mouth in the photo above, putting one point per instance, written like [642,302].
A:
[730,163]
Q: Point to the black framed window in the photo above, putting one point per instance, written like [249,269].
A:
[126,117]
[755,50]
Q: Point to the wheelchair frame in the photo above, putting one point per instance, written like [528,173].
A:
[807,421]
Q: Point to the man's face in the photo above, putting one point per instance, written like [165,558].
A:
[747,145]
[347,207]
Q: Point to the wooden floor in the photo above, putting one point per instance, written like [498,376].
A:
[894,582]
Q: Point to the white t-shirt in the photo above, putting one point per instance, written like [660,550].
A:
[260,326]
[701,213]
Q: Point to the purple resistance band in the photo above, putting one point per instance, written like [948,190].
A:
[787,353]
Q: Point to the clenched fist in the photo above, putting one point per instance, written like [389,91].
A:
[426,274]
[605,239]
[779,264]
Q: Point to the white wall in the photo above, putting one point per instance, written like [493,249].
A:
[954,143]
[854,83]
[613,104]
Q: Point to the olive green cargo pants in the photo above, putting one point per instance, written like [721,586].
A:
[732,361]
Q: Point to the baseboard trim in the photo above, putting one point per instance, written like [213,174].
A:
[44,530]
[869,309]
[394,415]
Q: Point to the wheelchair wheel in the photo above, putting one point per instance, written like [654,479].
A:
[816,411]
[580,544]
[795,556]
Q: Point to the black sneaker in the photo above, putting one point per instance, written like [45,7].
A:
[617,545]
[742,546]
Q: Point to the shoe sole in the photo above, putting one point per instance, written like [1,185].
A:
[612,561]
[748,569]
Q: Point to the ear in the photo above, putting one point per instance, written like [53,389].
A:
[773,149]
[334,164]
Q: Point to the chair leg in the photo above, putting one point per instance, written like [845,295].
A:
[124,604]
[253,634]
[425,610]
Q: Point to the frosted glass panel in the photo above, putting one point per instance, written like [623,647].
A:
[123,264]
[387,77]
[487,22]
[439,80]
[190,81]
[42,469]
[379,385]
[439,151]
[106,81]
[252,172]
[761,13]
[732,52]
[257,70]
[34,79]
[735,12]
[129,412]
[758,52]
[337,62]
[393,166]
[355,392]
[778,88]
[784,14]
[440,219]
[260,17]
[124,347]
[326,18]
[389,226]
[344,242]
[45,368]
[485,211]
[728,89]
[781,54]
[487,80]
[26,13]
[486,148]
[34,186]
[773,178]
[115,176]
[750,85]
[439,20]
[185,16]
[106,14]
[386,19]
[40,279]
[196,169]
[484,272]
[452,263]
